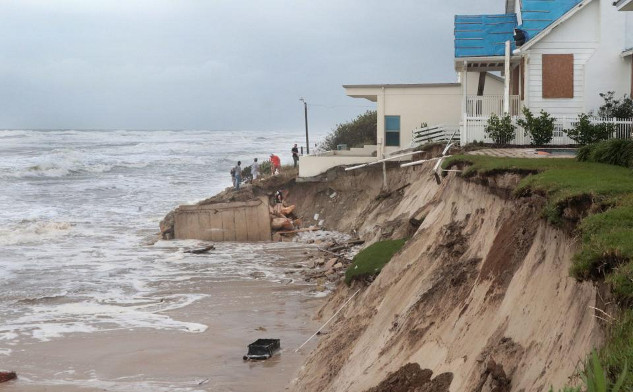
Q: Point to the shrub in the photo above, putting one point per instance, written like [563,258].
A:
[371,260]
[618,108]
[585,132]
[540,129]
[356,133]
[264,167]
[500,130]
[613,152]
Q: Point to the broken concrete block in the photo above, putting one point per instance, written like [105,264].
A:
[337,266]
[331,263]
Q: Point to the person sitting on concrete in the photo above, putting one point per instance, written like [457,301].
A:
[238,175]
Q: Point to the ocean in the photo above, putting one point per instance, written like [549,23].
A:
[79,213]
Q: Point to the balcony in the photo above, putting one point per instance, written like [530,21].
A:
[485,105]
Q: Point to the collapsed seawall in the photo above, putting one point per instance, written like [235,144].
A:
[481,290]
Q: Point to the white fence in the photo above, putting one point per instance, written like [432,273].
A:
[473,130]
[437,133]
[485,105]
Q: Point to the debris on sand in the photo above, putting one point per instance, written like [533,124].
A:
[337,257]
[7,376]
[411,378]
[262,349]
[198,251]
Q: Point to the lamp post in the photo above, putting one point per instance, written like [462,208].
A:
[305,112]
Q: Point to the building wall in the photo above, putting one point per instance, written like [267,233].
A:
[607,70]
[595,35]
[238,221]
[430,105]
[579,36]
[311,166]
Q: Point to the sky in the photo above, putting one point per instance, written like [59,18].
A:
[214,64]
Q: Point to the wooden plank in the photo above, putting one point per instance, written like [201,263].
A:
[204,222]
[228,224]
[241,231]
[558,75]
[220,206]
[215,226]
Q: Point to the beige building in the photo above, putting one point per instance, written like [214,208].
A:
[403,108]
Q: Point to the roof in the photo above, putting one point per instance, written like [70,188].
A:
[624,5]
[485,35]
[402,85]
[538,14]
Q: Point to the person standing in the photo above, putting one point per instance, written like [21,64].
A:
[275,164]
[295,154]
[255,169]
[238,175]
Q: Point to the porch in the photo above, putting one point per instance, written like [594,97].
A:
[487,105]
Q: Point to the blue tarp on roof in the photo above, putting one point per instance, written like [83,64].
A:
[538,14]
[483,35]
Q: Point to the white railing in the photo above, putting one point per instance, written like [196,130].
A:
[485,105]
[437,133]
[473,130]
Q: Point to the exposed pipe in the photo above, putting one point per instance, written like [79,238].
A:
[327,322]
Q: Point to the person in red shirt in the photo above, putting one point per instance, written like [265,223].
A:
[275,164]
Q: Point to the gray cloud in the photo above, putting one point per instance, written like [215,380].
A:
[214,64]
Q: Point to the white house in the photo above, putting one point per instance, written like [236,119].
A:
[403,108]
[564,53]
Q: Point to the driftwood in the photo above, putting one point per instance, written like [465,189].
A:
[346,245]
[386,195]
[200,250]
[7,376]
[299,230]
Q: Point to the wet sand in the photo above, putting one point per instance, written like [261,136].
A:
[236,313]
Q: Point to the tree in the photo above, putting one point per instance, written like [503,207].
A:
[540,129]
[500,130]
[355,133]
[585,132]
[618,108]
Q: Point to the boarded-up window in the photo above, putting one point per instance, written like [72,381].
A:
[558,76]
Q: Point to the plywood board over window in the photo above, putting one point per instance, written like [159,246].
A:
[558,76]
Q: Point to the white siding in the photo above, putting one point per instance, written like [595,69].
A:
[607,70]
[579,36]
[595,35]
[628,39]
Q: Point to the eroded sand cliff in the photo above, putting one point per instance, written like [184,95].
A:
[481,289]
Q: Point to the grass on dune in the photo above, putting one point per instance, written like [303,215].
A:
[606,251]
[371,260]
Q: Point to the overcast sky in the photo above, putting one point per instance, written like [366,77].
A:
[214,64]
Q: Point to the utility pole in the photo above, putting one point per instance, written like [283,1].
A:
[305,112]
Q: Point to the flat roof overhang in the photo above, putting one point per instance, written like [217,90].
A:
[483,64]
[627,53]
[624,5]
[371,91]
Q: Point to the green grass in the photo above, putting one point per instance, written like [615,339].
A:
[614,152]
[371,260]
[617,354]
[606,253]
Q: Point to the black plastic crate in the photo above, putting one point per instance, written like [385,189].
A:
[262,348]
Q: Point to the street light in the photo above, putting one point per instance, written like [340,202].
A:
[305,111]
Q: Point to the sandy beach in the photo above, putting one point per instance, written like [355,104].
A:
[236,312]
